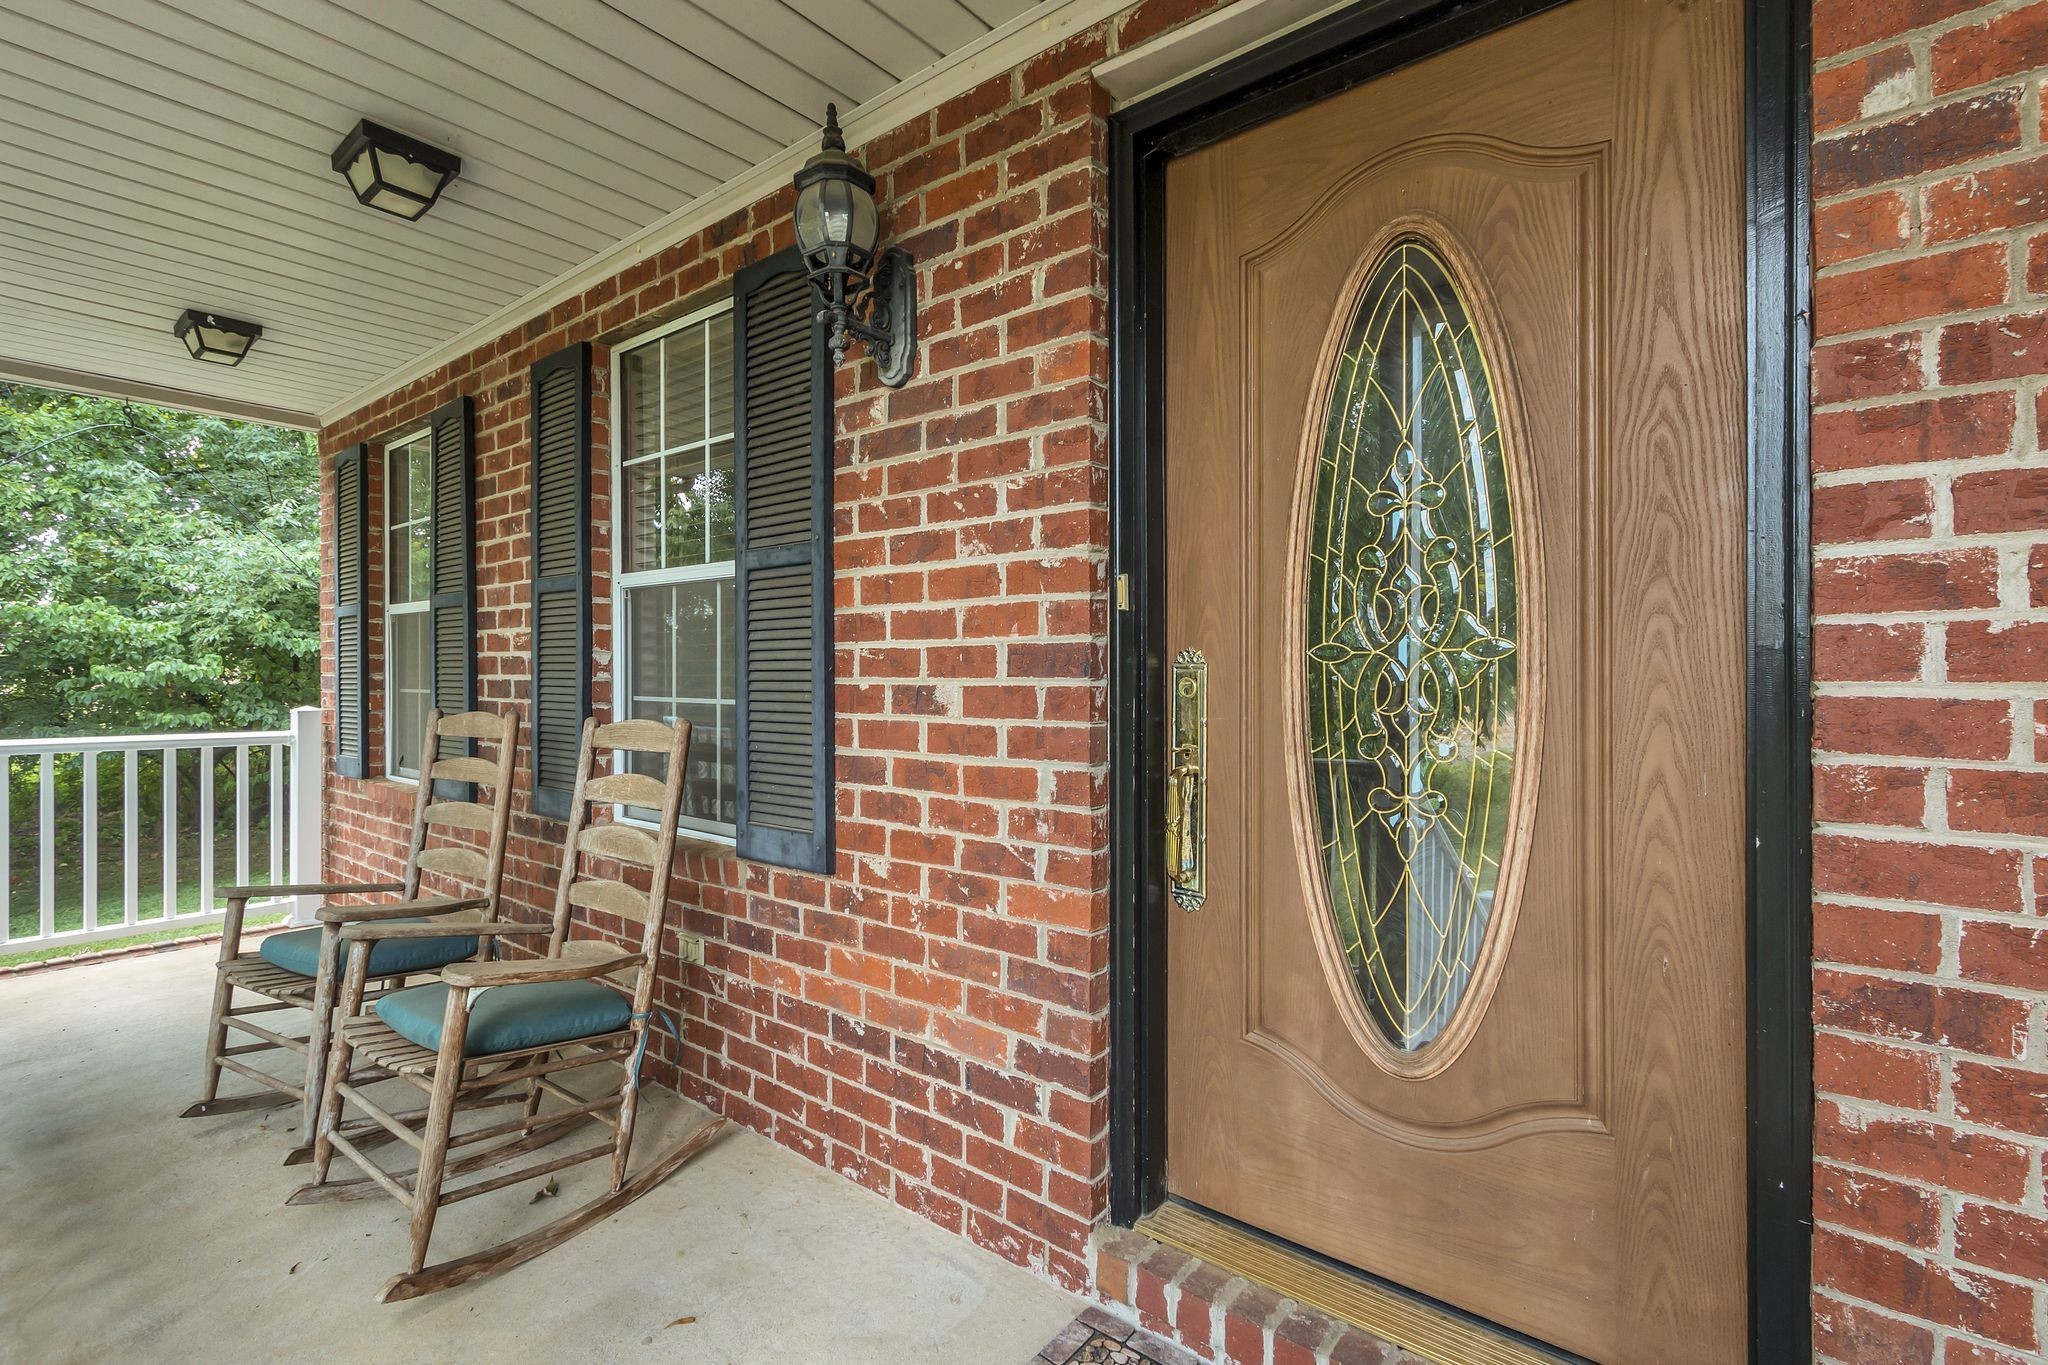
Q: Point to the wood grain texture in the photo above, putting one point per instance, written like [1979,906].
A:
[526,972]
[620,841]
[488,725]
[423,908]
[458,815]
[640,736]
[463,769]
[456,862]
[612,897]
[1576,1171]
[625,789]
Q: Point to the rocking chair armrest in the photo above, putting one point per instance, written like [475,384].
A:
[425,905]
[247,893]
[529,971]
[375,932]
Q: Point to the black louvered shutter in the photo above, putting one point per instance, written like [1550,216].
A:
[351,604]
[782,389]
[452,651]
[560,393]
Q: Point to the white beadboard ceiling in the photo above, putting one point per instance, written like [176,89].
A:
[158,155]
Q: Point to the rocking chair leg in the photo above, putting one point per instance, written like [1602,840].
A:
[340,1061]
[216,1040]
[533,1092]
[329,1117]
[426,1190]
[317,1039]
[629,1109]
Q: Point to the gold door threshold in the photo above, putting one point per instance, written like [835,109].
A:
[1428,1331]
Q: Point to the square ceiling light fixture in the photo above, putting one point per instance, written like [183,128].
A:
[390,171]
[215,339]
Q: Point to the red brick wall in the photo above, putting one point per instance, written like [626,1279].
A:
[930,1021]
[1931,651]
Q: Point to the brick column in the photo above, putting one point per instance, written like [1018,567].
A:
[1931,652]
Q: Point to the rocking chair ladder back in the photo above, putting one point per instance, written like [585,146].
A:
[300,969]
[544,1016]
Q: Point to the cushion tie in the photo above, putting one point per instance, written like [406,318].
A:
[640,1048]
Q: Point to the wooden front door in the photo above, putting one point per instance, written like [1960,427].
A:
[1456,517]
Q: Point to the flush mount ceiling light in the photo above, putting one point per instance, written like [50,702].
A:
[867,296]
[215,339]
[390,171]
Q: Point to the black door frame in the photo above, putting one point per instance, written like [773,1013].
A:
[1300,68]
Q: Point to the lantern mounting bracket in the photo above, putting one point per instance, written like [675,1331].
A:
[881,311]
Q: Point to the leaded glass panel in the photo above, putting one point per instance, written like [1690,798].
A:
[1412,647]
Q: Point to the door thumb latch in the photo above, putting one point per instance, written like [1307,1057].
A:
[1187,766]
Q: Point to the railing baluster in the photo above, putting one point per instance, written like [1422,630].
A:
[48,917]
[6,847]
[89,880]
[170,823]
[276,785]
[131,864]
[46,859]
[206,829]
[241,815]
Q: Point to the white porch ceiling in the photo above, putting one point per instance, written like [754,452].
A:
[158,155]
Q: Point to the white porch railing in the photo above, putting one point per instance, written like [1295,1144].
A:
[102,837]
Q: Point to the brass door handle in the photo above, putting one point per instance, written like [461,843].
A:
[1183,796]
[1187,816]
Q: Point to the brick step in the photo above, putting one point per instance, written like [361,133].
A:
[1202,1312]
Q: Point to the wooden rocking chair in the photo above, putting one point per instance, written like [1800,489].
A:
[301,968]
[542,1016]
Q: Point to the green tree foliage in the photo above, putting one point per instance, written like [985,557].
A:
[159,571]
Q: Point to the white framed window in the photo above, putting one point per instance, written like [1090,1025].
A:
[673,610]
[408,593]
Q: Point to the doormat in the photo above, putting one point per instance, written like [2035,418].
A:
[1099,1338]
[1102,1350]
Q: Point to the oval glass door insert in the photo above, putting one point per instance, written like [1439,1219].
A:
[1412,648]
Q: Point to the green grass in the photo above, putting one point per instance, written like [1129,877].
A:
[24,912]
[108,945]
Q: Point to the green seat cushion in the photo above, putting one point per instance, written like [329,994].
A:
[299,951]
[508,1018]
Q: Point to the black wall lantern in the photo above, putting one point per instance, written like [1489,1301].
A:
[215,339]
[393,172]
[867,296]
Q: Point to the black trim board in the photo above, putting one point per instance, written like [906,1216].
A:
[554,802]
[457,415]
[763,840]
[1780,771]
[1321,59]
[356,510]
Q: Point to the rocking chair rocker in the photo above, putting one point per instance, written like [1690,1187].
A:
[542,1016]
[301,968]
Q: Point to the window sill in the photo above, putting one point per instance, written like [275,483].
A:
[698,841]
[393,794]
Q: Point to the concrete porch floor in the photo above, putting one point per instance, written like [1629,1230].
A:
[127,1233]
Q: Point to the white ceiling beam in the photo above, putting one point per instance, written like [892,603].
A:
[107,386]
